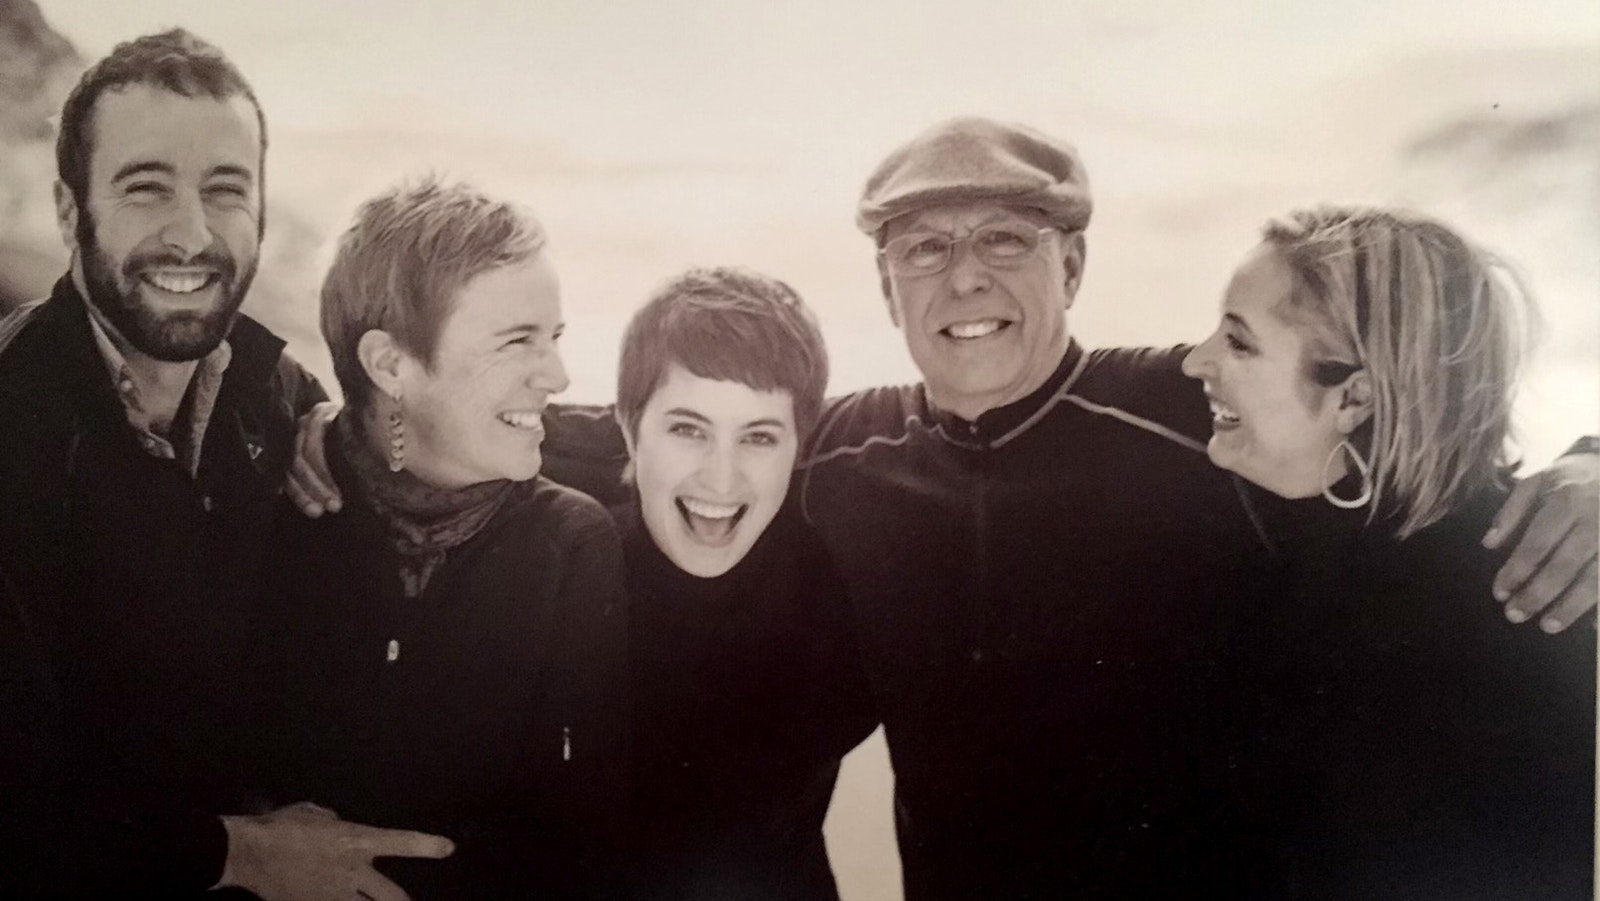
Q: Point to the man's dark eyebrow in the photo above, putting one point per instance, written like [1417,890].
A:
[142,167]
[765,423]
[687,413]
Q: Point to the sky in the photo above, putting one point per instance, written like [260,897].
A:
[649,136]
[654,135]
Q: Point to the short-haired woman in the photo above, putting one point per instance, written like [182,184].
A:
[450,652]
[746,683]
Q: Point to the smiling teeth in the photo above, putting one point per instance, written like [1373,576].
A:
[178,282]
[708,510]
[1223,413]
[522,420]
[969,330]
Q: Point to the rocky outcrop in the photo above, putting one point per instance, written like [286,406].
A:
[37,69]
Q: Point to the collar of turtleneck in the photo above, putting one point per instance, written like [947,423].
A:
[423,522]
[659,581]
[1293,526]
[997,425]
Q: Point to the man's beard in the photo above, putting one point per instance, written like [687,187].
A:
[173,337]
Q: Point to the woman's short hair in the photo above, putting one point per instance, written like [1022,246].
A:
[400,265]
[1439,325]
[727,324]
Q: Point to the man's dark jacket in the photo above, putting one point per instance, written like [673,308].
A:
[131,584]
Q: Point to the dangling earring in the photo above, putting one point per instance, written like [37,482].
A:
[397,438]
[1361,467]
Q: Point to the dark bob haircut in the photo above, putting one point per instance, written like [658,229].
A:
[727,324]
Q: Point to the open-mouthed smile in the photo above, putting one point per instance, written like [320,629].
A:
[709,522]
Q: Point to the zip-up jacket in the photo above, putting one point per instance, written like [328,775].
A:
[131,579]
[491,709]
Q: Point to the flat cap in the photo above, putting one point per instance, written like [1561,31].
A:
[976,160]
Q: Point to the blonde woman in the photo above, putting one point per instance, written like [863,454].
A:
[1404,738]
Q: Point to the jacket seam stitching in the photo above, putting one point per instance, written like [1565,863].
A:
[1138,422]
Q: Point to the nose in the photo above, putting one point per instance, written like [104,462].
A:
[186,230]
[551,374]
[968,274]
[717,470]
[1198,360]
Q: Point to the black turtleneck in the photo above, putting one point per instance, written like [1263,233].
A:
[747,692]
[1406,740]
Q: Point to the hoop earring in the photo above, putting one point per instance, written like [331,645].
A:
[397,439]
[1361,466]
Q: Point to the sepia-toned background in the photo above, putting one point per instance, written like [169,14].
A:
[651,135]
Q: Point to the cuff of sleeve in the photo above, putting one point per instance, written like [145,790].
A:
[199,851]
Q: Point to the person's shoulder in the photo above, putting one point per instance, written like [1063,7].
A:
[33,343]
[1145,387]
[39,395]
[1450,551]
[872,414]
[13,323]
[567,510]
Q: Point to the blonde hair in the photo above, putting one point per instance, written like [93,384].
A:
[1439,325]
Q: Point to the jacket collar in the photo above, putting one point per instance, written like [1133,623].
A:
[997,426]
[58,351]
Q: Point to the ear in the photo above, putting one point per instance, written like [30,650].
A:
[383,361]
[888,291]
[1355,402]
[1074,252]
[67,215]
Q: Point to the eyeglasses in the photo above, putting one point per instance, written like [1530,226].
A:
[928,253]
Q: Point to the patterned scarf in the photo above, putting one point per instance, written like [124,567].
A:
[424,523]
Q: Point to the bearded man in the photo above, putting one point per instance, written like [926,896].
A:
[147,425]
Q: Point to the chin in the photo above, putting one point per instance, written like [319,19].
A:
[523,474]
[708,563]
[705,569]
[519,470]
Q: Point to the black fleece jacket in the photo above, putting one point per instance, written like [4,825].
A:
[131,581]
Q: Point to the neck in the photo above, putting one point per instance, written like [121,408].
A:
[972,406]
[161,386]
[966,406]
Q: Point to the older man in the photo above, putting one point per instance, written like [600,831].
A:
[1039,601]
[148,426]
